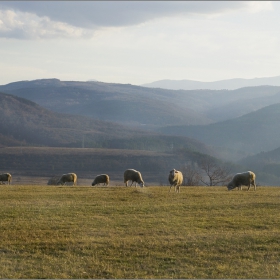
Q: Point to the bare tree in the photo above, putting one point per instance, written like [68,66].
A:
[191,175]
[214,173]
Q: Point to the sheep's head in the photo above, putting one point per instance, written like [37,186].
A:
[230,186]
[172,172]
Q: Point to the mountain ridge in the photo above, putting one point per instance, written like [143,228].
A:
[229,84]
[126,104]
[140,106]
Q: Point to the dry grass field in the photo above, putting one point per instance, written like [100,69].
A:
[118,232]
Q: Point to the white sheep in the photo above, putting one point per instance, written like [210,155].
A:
[175,179]
[242,179]
[101,179]
[65,178]
[133,176]
[6,177]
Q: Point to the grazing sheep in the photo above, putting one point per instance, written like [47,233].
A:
[175,179]
[133,176]
[53,180]
[70,177]
[242,179]
[101,179]
[6,177]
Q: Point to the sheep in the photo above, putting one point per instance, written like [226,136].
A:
[102,178]
[7,177]
[133,176]
[70,177]
[242,179]
[175,179]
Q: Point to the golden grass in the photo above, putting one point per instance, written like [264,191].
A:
[118,232]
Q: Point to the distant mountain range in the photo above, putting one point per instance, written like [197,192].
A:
[237,121]
[229,84]
[126,104]
[141,106]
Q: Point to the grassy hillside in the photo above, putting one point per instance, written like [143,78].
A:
[252,133]
[118,232]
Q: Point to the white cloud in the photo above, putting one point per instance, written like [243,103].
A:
[47,19]
[259,6]
[30,26]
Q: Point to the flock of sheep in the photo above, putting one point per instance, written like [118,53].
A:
[175,179]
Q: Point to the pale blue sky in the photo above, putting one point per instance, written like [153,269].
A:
[138,42]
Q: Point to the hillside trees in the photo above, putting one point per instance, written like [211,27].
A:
[206,170]
[192,177]
[214,173]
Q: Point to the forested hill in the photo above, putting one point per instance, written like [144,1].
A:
[126,104]
[252,133]
[23,122]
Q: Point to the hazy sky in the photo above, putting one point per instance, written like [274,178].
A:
[138,42]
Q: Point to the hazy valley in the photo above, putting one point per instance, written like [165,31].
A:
[174,126]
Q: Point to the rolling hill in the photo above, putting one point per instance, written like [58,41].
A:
[249,100]
[252,133]
[25,123]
